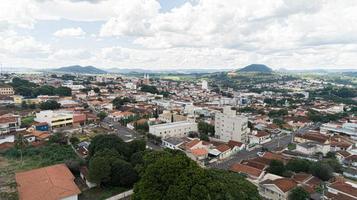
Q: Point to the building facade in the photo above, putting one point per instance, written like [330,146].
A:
[175,129]
[230,126]
[55,118]
[6,90]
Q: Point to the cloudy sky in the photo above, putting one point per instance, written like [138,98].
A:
[173,34]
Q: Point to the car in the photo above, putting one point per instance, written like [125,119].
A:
[260,153]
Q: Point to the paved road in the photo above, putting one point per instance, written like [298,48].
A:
[127,134]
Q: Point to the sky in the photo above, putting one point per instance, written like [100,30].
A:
[179,34]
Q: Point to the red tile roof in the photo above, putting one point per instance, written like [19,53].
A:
[199,152]
[233,143]
[245,169]
[261,134]
[344,187]
[284,184]
[223,148]
[47,183]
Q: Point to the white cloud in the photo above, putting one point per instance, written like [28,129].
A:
[70,32]
[199,33]
[71,54]
[15,45]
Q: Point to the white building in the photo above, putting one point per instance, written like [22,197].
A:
[130,86]
[311,148]
[230,126]
[204,85]
[56,118]
[349,129]
[175,129]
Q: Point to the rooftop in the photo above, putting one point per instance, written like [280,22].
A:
[47,183]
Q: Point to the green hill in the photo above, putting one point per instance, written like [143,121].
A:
[77,69]
[256,68]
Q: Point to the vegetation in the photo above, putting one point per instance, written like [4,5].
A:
[322,169]
[102,115]
[316,116]
[49,154]
[276,167]
[172,175]
[149,88]
[298,193]
[29,89]
[206,128]
[120,101]
[50,105]
[110,160]
[27,121]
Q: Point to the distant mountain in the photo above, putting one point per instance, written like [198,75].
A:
[256,68]
[77,69]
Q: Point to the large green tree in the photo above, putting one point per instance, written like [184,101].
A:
[107,167]
[172,175]
[298,165]
[50,105]
[276,167]
[298,193]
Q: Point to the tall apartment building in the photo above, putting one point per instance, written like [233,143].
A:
[6,90]
[230,126]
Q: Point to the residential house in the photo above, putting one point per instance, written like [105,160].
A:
[259,137]
[278,189]
[54,182]
[341,190]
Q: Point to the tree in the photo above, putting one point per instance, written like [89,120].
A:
[58,138]
[20,144]
[298,193]
[123,174]
[101,142]
[50,105]
[27,121]
[96,90]
[172,175]
[276,167]
[298,165]
[204,137]
[136,146]
[321,170]
[102,115]
[106,167]
[149,88]
[206,128]
[120,101]
[99,169]
[74,140]
[63,91]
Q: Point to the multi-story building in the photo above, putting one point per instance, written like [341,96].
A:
[175,129]
[9,123]
[56,118]
[230,126]
[6,90]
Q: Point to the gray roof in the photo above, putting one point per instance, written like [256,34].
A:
[174,140]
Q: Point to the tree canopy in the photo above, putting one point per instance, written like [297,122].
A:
[50,105]
[298,193]
[172,175]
